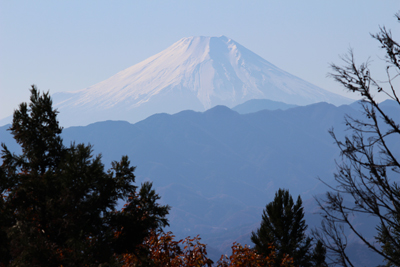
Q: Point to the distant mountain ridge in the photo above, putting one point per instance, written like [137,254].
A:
[195,73]
[255,105]
[218,169]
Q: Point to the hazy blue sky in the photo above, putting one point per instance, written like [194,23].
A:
[70,45]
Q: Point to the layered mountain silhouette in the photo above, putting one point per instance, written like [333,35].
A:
[218,169]
[195,73]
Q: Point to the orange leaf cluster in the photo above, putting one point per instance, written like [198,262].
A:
[247,257]
[163,250]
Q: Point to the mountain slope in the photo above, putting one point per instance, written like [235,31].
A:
[215,166]
[195,73]
[218,169]
[255,105]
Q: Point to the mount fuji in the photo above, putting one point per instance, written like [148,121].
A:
[194,73]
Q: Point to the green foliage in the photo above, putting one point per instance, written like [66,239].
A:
[58,204]
[389,237]
[284,227]
[319,255]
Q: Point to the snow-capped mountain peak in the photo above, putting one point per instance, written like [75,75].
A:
[194,73]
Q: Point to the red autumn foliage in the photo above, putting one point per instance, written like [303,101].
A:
[160,249]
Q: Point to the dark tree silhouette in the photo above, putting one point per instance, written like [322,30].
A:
[284,227]
[369,170]
[58,204]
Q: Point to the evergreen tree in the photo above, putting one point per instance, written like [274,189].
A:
[319,255]
[284,227]
[58,204]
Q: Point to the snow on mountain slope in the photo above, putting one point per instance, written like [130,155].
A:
[194,73]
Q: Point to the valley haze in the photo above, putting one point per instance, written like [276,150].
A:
[218,169]
[239,125]
[218,103]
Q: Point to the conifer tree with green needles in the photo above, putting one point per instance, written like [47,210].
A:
[58,205]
